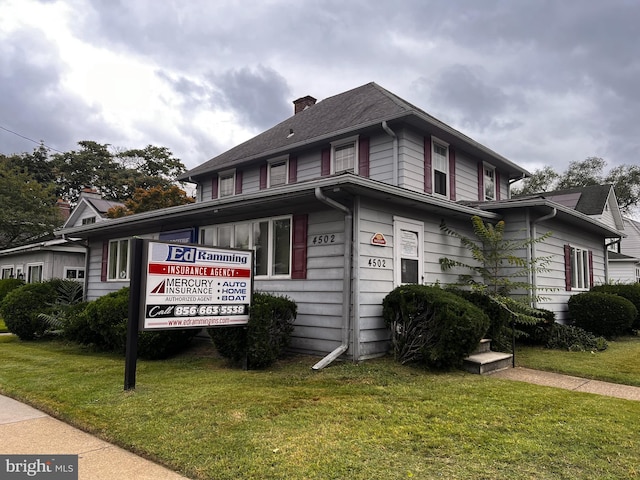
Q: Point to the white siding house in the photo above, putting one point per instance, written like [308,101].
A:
[344,201]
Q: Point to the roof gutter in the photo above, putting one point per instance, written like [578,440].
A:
[346,292]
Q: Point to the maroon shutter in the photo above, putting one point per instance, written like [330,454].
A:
[238,182]
[481,181]
[105,261]
[567,267]
[590,268]
[293,169]
[497,180]
[325,165]
[299,250]
[214,187]
[428,186]
[263,176]
[363,157]
[452,174]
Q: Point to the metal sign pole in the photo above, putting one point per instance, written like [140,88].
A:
[131,353]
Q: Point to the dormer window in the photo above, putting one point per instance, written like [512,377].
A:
[440,168]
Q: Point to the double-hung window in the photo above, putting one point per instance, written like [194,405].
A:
[440,168]
[270,239]
[7,272]
[227,183]
[344,156]
[118,260]
[34,273]
[489,182]
[579,268]
[278,170]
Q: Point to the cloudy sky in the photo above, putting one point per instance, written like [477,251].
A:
[542,82]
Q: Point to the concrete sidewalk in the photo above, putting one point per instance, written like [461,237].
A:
[25,431]
[568,382]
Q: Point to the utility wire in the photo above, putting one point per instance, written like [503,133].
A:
[30,139]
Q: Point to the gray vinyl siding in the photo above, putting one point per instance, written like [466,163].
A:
[466,177]
[318,326]
[53,262]
[551,283]
[381,159]
[374,283]
[308,166]
[623,272]
[411,160]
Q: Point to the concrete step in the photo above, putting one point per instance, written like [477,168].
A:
[483,346]
[487,362]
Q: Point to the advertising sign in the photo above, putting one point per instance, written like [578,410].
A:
[195,286]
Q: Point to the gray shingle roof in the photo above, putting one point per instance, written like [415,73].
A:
[342,114]
[592,199]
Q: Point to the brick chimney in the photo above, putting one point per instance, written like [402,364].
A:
[302,103]
[64,208]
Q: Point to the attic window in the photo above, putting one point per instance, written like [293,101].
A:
[278,173]
[227,184]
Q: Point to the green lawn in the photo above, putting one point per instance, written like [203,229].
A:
[620,363]
[374,420]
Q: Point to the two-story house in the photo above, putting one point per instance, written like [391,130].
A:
[341,203]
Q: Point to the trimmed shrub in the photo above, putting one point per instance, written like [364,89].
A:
[103,324]
[267,335]
[602,313]
[8,284]
[574,339]
[630,291]
[432,326]
[21,307]
[538,334]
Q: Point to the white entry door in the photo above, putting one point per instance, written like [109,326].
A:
[408,251]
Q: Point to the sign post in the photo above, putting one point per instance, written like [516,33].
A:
[185,286]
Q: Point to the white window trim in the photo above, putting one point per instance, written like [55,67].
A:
[488,166]
[342,143]
[277,160]
[434,141]
[33,265]
[128,272]
[77,269]
[8,267]
[584,271]
[213,229]
[399,224]
[226,174]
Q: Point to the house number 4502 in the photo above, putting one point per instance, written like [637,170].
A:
[322,239]
[377,262]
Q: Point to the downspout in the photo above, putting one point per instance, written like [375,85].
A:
[554,212]
[346,294]
[392,134]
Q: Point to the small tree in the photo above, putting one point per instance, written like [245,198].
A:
[500,269]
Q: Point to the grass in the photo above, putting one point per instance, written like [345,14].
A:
[620,363]
[374,420]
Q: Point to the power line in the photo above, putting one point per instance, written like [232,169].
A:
[30,139]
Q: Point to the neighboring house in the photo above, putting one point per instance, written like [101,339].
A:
[342,202]
[56,258]
[624,260]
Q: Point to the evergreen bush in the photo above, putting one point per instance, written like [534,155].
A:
[432,326]
[630,291]
[21,307]
[8,284]
[602,314]
[103,324]
[267,334]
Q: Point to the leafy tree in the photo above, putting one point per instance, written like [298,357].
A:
[499,267]
[36,164]
[154,198]
[28,207]
[582,174]
[541,180]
